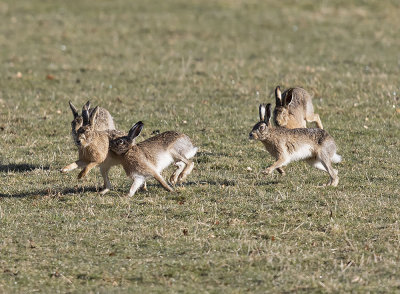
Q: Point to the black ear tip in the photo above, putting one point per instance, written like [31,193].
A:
[278,87]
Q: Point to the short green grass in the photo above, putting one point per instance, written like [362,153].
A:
[199,67]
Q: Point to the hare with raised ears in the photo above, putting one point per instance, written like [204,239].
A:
[92,144]
[294,108]
[102,123]
[315,146]
[104,120]
[150,157]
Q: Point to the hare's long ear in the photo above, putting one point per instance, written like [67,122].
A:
[85,115]
[262,111]
[74,110]
[93,116]
[135,130]
[87,105]
[278,96]
[288,98]
[268,115]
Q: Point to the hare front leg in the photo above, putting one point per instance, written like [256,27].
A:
[74,165]
[87,168]
[277,164]
[138,181]
[104,173]
[281,171]
[315,117]
[161,180]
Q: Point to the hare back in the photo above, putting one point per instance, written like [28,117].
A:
[300,97]
[160,141]
[145,162]
[104,120]
[184,146]
[300,142]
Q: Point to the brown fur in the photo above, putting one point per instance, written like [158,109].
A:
[315,146]
[104,120]
[294,109]
[93,148]
[148,158]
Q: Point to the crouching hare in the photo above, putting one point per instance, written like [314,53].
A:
[150,157]
[294,108]
[315,146]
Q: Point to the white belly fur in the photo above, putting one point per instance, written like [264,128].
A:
[302,152]
[163,161]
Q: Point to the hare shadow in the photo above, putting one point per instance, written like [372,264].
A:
[20,168]
[49,192]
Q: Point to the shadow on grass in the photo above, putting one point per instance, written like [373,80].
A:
[20,168]
[49,192]
[79,190]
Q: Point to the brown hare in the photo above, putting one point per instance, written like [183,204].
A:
[315,146]
[104,120]
[294,108]
[93,147]
[150,157]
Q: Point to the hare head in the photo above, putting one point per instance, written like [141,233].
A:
[77,122]
[281,111]
[261,129]
[85,133]
[122,144]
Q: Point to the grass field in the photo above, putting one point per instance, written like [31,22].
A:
[199,67]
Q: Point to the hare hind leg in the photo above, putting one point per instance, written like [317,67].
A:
[188,169]
[323,162]
[188,166]
[180,167]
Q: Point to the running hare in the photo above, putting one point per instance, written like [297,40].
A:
[150,157]
[93,147]
[315,146]
[104,120]
[294,108]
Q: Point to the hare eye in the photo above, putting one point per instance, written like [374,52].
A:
[262,127]
[120,142]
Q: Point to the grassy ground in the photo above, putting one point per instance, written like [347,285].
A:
[200,67]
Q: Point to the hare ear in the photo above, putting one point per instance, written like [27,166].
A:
[93,115]
[288,98]
[87,105]
[262,111]
[135,130]
[269,112]
[74,110]
[278,96]
[85,115]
